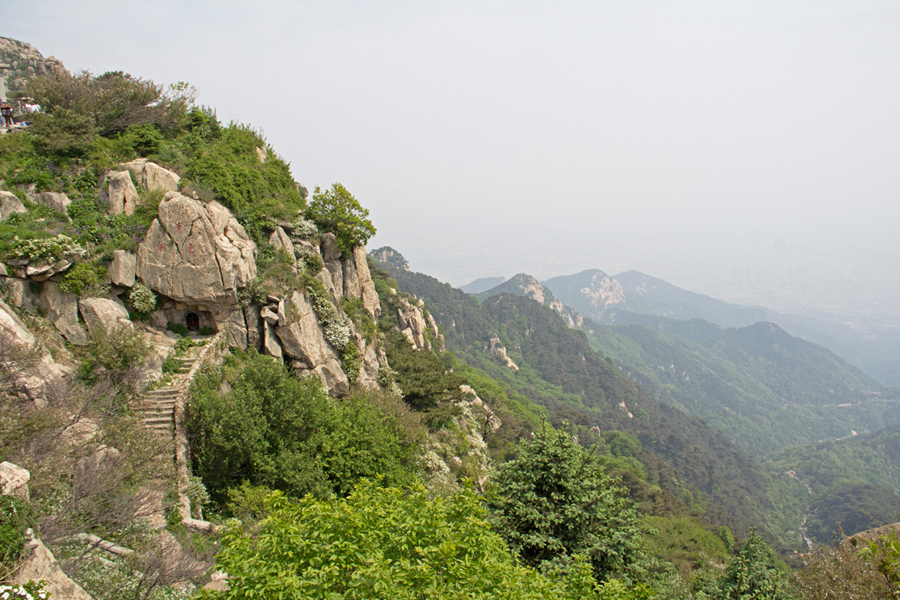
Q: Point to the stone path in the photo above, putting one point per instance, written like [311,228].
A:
[158,406]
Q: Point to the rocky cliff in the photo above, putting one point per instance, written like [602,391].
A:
[24,62]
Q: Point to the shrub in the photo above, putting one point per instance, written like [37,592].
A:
[142,298]
[116,351]
[304,230]
[14,520]
[82,276]
[336,324]
[308,260]
[178,328]
[45,250]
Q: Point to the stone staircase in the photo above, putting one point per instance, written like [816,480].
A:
[157,408]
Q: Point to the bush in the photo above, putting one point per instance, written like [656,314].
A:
[45,250]
[178,328]
[84,275]
[141,298]
[554,501]
[338,211]
[117,351]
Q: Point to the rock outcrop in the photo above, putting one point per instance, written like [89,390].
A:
[40,565]
[152,176]
[302,338]
[196,253]
[413,324]
[123,196]
[62,310]
[14,480]
[35,367]
[122,270]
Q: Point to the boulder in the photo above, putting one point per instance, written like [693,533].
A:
[35,375]
[55,200]
[196,253]
[122,269]
[303,338]
[152,176]
[62,310]
[123,196]
[40,565]
[10,205]
[20,294]
[102,314]
[230,318]
[43,272]
[14,480]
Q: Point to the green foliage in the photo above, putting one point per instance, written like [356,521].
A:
[554,501]
[380,543]
[171,365]
[112,102]
[424,379]
[227,164]
[65,133]
[335,323]
[44,250]
[141,298]
[28,591]
[275,430]
[753,573]
[838,571]
[15,516]
[884,553]
[85,275]
[338,211]
[116,351]
[178,328]
[351,362]
[682,542]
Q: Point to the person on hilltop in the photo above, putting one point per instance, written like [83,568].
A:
[7,114]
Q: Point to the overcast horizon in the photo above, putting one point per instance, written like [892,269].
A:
[749,151]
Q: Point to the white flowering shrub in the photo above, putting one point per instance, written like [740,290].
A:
[29,591]
[48,249]
[308,260]
[336,324]
[142,298]
[305,230]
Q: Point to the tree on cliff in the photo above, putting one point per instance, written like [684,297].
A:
[338,211]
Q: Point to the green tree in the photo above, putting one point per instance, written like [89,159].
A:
[384,543]
[754,574]
[555,501]
[338,211]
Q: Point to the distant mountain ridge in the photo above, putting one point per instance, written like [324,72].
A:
[482,284]
[763,387]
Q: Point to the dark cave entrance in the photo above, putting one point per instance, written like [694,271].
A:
[192,321]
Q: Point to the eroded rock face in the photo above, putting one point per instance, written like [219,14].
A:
[412,323]
[303,339]
[367,292]
[196,253]
[123,196]
[55,200]
[62,310]
[15,337]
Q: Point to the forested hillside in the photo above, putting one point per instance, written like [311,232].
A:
[762,387]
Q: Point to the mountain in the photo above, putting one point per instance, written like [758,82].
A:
[759,385]
[24,62]
[482,284]
[874,348]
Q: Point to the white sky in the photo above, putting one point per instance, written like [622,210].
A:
[745,149]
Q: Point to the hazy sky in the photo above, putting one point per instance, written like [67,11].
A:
[745,149]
